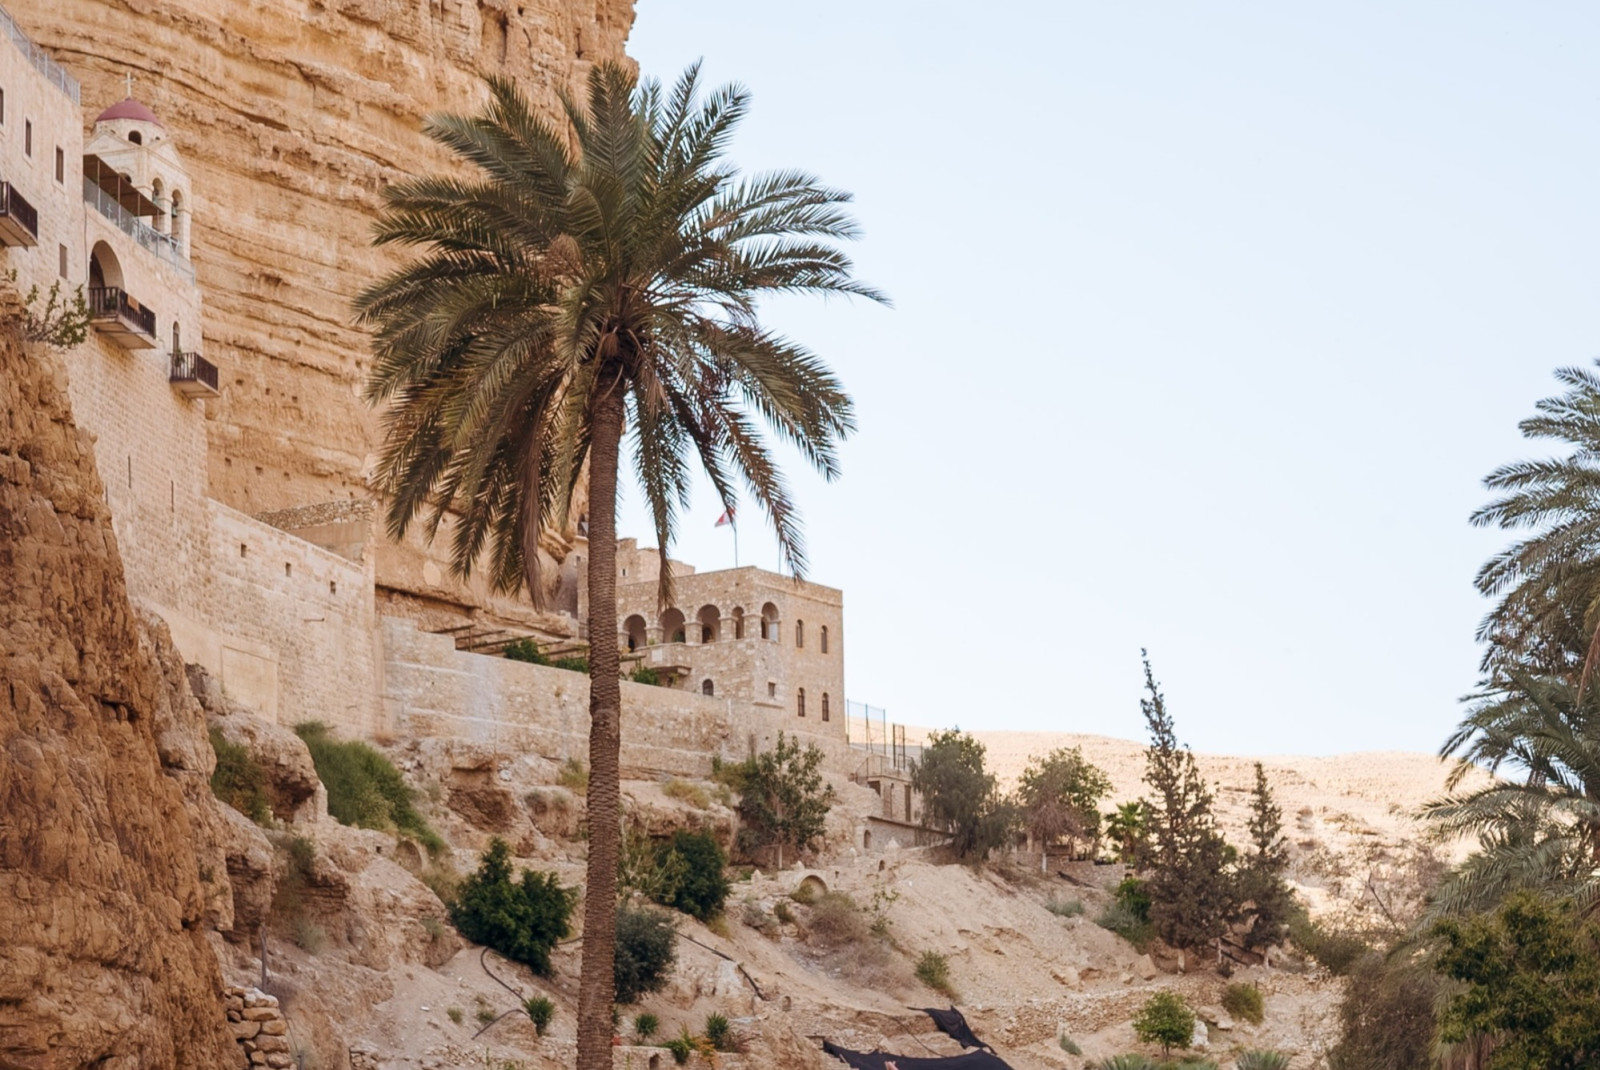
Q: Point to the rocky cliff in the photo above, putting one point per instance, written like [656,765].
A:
[292,117]
[111,870]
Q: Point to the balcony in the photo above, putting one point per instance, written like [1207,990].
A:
[121,318]
[194,376]
[19,220]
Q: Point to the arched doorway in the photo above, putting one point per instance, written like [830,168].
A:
[105,271]
[769,622]
[710,618]
[672,627]
[635,629]
[708,689]
[738,622]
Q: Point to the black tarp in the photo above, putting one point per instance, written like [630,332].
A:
[953,1024]
[877,1060]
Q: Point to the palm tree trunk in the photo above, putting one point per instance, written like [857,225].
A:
[596,988]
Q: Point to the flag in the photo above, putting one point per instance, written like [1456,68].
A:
[725,518]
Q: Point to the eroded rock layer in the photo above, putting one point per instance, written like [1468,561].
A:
[103,905]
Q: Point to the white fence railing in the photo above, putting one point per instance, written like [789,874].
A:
[162,245]
[53,71]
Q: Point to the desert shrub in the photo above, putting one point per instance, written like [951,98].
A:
[758,919]
[682,1046]
[307,934]
[1165,1019]
[645,1026]
[781,911]
[1335,950]
[573,775]
[1124,1062]
[836,920]
[933,970]
[524,650]
[701,884]
[1261,1060]
[686,791]
[239,780]
[644,674]
[541,1011]
[1244,1003]
[1128,914]
[720,1032]
[805,895]
[1064,908]
[486,1014]
[442,880]
[364,787]
[456,1015]
[520,921]
[646,949]
[1069,1045]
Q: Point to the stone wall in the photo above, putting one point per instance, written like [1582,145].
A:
[260,1028]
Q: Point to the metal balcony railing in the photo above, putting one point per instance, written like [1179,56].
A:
[108,303]
[19,220]
[150,238]
[41,60]
[194,375]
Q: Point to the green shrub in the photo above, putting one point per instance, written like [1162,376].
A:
[520,921]
[364,787]
[781,911]
[1122,920]
[645,1026]
[644,674]
[1336,951]
[933,970]
[524,650]
[574,776]
[541,1010]
[682,1046]
[455,1014]
[486,1014]
[1244,1003]
[307,935]
[836,920]
[572,664]
[720,1032]
[686,791]
[1165,1019]
[646,949]
[1069,1045]
[239,779]
[701,884]
[1124,1062]
[1064,908]
[1261,1060]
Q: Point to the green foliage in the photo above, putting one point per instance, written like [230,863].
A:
[239,780]
[1060,798]
[1265,900]
[456,1015]
[63,322]
[1124,1062]
[699,884]
[682,1046]
[1261,1060]
[686,791]
[933,970]
[524,650]
[783,799]
[960,796]
[521,921]
[541,1011]
[645,1026]
[646,950]
[1128,913]
[1128,828]
[364,787]
[1244,1002]
[1335,950]
[644,674]
[1531,977]
[1165,1019]
[574,776]
[486,1014]
[1069,1045]
[1064,908]
[1189,865]
[836,920]
[719,1032]
[1386,1019]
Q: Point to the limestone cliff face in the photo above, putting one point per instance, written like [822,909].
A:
[103,957]
[292,117]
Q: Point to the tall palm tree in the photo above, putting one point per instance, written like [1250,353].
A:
[1538,820]
[577,297]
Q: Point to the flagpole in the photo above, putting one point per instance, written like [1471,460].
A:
[735,526]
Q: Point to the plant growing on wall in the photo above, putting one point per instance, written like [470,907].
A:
[62,322]
[783,800]
[581,279]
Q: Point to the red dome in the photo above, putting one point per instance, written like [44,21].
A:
[128,109]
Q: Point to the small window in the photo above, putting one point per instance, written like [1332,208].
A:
[799,633]
[772,689]
[136,137]
[708,688]
[2,107]
[824,705]
[288,570]
[800,703]
[63,268]
[27,137]
[244,551]
[61,165]
[333,586]
[822,638]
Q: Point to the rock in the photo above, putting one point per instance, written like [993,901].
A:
[295,792]
[1145,968]
[1202,1037]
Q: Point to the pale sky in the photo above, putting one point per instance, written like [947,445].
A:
[1209,319]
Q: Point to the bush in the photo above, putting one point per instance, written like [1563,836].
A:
[1337,952]
[524,650]
[1124,1062]
[1128,914]
[520,921]
[1261,1060]
[720,1033]
[783,799]
[645,1026]
[644,674]
[836,920]
[681,1047]
[933,970]
[574,776]
[701,884]
[1244,1003]
[364,787]
[688,792]
[1064,908]
[239,780]
[456,1015]
[541,1010]
[646,949]
[1069,1045]
[1165,1019]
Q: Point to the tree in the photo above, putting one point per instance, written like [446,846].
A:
[959,796]
[783,800]
[1128,827]
[1189,881]
[521,921]
[576,282]
[1060,797]
[1531,972]
[699,882]
[1261,883]
[1165,1019]
[646,950]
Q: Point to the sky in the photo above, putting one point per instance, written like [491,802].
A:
[1208,321]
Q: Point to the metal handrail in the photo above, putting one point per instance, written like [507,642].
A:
[193,368]
[111,301]
[163,245]
[17,207]
[53,72]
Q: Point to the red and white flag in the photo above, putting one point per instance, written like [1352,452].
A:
[725,518]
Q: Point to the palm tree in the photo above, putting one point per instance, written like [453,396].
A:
[1548,615]
[1538,828]
[573,298]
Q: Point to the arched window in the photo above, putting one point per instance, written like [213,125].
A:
[104,270]
[769,622]
[136,137]
[800,703]
[738,622]
[708,688]
[180,222]
[177,345]
[824,705]
[635,628]
[672,627]
[161,218]
[799,633]
[822,638]
[710,618]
